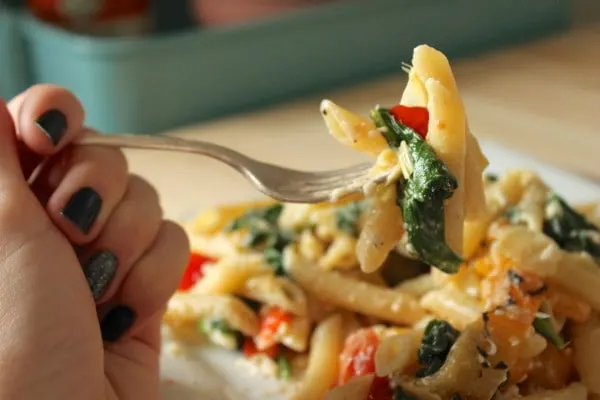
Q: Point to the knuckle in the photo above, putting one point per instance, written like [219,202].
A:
[177,240]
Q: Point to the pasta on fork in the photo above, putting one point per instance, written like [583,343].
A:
[444,283]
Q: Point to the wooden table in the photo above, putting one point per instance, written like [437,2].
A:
[542,98]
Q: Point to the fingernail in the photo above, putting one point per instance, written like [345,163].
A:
[83,209]
[99,271]
[116,323]
[54,125]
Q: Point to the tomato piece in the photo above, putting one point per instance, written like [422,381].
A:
[380,389]
[193,272]
[272,320]
[249,349]
[358,356]
[416,118]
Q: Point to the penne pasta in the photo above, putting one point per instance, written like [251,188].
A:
[575,391]
[382,230]
[352,130]
[274,291]
[184,307]
[447,136]
[396,353]
[586,340]
[356,388]
[230,274]
[452,305]
[418,286]
[429,63]
[321,371]
[332,287]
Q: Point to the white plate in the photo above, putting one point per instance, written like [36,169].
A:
[213,374]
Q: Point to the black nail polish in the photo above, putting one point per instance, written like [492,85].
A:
[116,323]
[99,271]
[54,125]
[83,209]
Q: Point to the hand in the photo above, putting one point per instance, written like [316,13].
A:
[87,263]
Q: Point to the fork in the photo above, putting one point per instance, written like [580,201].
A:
[280,183]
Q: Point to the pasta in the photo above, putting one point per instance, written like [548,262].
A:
[441,283]
[326,344]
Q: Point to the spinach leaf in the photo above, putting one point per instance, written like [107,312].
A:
[274,257]
[284,368]
[491,177]
[569,229]
[264,232]
[257,217]
[543,326]
[438,339]
[347,216]
[422,196]
[208,326]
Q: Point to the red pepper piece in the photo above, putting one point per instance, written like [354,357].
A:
[416,118]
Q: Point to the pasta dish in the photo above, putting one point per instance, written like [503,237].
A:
[445,283]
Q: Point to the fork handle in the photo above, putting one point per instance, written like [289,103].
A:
[169,143]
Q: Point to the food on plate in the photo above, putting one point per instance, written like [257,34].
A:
[445,283]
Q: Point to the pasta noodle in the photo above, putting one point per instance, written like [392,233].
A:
[326,344]
[438,284]
[193,306]
[273,291]
[586,340]
[332,287]
[230,274]
[356,388]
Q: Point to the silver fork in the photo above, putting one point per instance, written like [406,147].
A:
[279,183]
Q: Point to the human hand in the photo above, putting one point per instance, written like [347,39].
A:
[85,242]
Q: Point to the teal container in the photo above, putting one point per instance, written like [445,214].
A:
[155,83]
[14,73]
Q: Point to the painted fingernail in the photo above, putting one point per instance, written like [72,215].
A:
[116,323]
[99,271]
[83,209]
[54,125]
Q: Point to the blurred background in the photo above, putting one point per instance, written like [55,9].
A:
[154,65]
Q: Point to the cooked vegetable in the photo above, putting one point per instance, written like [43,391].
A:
[221,334]
[273,320]
[358,356]
[514,215]
[284,368]
[543,325]
[438,339]
[263,231]
[250,219]
[415,117]
[274,257]
[491,177]
[421,197]
[194,271]
[571,230]
[347,216]
[249,349]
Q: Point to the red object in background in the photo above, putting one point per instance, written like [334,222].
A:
[416,118]
[227,12]
[94,16]
[193,272]
[380,389]
[358,355]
